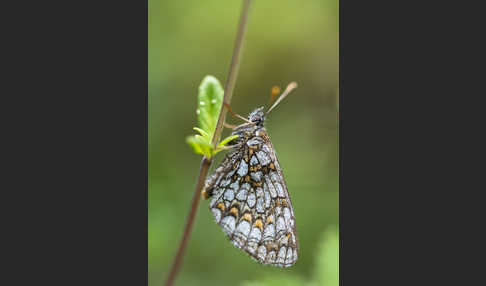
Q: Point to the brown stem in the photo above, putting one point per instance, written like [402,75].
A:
[233,71]
[206,163]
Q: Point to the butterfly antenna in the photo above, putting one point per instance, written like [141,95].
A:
[275,91]
[236,115]
[289,88]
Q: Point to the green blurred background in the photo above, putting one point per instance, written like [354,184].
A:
[285,41]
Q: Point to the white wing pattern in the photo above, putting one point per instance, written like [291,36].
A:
[250,201]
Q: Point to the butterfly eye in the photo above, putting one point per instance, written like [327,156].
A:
[257,119]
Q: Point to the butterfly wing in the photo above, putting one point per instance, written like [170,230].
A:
[250,201]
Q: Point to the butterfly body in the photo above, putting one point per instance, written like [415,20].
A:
[249,197]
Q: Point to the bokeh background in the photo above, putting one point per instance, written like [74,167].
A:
[285,41]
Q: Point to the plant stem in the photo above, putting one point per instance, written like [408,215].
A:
[206,162]
[233,71]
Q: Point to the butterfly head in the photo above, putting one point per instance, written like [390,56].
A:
[247,130]
[257,116]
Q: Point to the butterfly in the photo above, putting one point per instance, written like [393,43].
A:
[249,197]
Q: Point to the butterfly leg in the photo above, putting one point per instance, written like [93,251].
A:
[230,126]
[228,147]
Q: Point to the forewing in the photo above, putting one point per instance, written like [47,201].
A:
[250,201]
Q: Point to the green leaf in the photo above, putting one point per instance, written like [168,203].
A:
[200,145]
[209,101]
[223,143]
[202,132]
[227,140]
